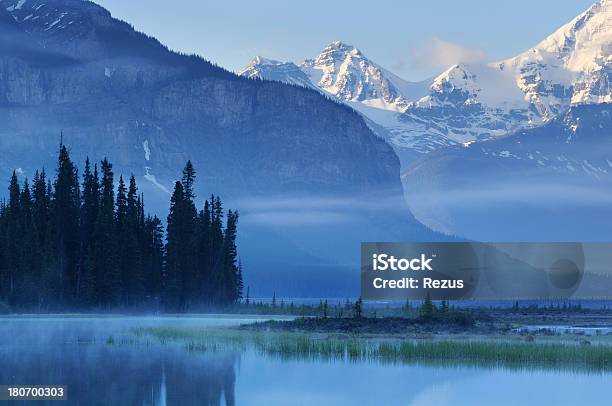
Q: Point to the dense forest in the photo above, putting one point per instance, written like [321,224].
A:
[86,243]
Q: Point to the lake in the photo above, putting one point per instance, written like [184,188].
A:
[75,351]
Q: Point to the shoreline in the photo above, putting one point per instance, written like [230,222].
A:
[514,352]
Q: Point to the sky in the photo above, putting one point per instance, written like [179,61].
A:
[415,39]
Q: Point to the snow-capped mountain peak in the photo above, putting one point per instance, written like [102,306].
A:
[579,43]
[572,66]
[337,51]
[345,72]
[260,60]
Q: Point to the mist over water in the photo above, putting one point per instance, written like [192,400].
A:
[101,364]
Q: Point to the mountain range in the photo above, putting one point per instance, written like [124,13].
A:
[321,155]
[499,150]
[466,102]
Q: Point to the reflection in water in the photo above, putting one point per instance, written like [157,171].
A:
[163,396]
[101,371]
[101,366]
[115,375]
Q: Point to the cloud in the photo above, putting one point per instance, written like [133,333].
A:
[301,218]
[438,53]
[318,210]
[537,194]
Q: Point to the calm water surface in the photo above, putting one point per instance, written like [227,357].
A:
[74,352]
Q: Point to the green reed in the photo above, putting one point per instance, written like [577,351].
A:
[481,353]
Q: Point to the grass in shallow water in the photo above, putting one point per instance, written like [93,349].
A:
[483,353]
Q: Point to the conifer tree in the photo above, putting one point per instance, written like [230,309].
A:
[153,258]
[216,261]
[240,282]
[230,280]
[132,254]
[12,237]
[174,250]
[358,308]
[108,279]
[428,309]
[204,252]
[181,247]
[89,213]
[3,250]
[66,204]
[189,224]
[122,237]
[40,207]
[25,285]
[188,180]
[41,213]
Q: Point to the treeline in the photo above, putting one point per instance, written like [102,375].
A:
[79,243]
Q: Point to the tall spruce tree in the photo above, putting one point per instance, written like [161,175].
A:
[108,278]
[189,262]
[173,295]
[122,237]
[132,231]
[89,214]
[182,264]
[25,280]
[66,205]
[40,208]
[3,250]
[41,214]
[231,290]
[153,259]
[216,250]
[204,252]
[12,238]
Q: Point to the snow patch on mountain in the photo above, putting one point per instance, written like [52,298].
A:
[147,150]
[478,84]
[151,178]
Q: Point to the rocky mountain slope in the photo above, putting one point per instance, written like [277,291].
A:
[344,72]
[549,183]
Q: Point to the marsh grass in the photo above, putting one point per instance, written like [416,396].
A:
[481,353]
